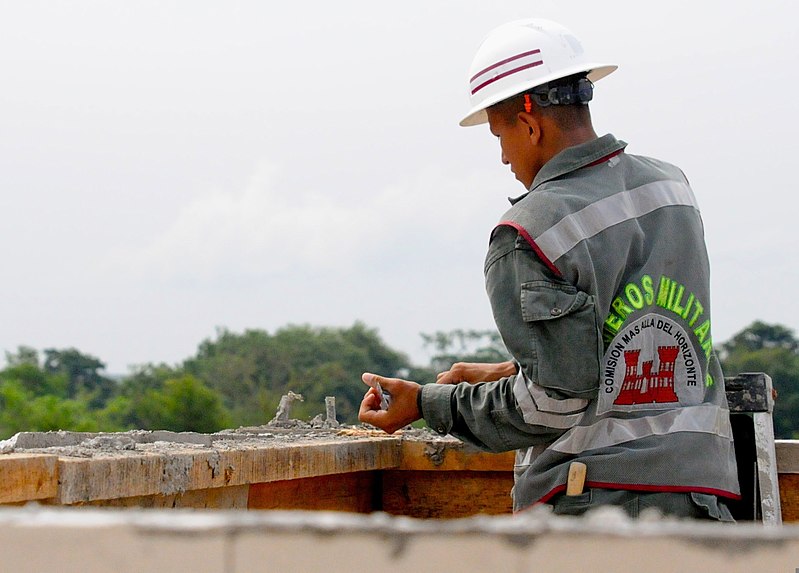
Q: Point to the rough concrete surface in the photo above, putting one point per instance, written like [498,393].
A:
[87,444]
[40,539]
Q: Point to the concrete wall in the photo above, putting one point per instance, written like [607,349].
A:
[346,470]
[83,540]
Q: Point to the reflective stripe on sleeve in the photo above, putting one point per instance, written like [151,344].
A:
[704,418]
[539,409]
[603,214]
[526,456]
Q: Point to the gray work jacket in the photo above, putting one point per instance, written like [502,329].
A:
[599,283]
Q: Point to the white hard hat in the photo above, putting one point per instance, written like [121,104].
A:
[521,55]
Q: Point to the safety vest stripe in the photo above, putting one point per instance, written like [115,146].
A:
[540,410]
[526,236]
[603,214]
[704,418]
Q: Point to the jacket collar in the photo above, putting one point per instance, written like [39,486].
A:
[573,158]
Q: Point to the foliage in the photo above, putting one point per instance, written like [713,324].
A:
[24,355]
[184,404]
[254,369]
[238,378]
[21,410]
[772,349]
[82,374]
[160,397]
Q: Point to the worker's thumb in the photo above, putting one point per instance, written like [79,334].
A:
[371,379]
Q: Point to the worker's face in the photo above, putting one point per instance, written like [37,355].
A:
[518,148]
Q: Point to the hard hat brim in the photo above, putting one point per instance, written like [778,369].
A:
[477,115]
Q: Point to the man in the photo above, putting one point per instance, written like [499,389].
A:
[599,283]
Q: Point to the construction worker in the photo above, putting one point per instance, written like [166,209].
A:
[598,279]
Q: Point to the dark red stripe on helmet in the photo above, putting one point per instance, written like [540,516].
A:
[505,61]
[506,74]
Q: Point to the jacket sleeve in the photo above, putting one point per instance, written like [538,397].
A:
[549,326]
[484,415]
[551,329]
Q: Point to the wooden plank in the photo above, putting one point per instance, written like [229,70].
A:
[25,477]
[233,497]
[446,495]
[110,477]
[789,496]
[312,459]
[351,492]
[452,456]
[787,456]
[136,474]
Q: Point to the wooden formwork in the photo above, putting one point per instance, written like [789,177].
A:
[418,475]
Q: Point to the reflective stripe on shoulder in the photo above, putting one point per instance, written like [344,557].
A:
[704,418]
[603,214]
[539,409]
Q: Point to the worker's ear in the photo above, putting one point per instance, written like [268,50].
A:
[532,125]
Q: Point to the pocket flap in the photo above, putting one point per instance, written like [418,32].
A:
[543,300]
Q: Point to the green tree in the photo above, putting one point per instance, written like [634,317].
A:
[24,368]
[254,369]
[36,381]
[160,398]
[24,355]
[32,399]
[83,375]
[772,349]
[132,408]
[21,410]
[187,405]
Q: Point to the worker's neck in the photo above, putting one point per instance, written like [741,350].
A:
[563,139]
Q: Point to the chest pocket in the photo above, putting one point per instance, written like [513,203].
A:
[567,342]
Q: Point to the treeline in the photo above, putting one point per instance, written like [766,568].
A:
[237,379]
[232,380]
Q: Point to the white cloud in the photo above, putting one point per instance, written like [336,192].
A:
[267,228]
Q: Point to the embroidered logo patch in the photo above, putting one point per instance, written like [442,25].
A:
[650,364]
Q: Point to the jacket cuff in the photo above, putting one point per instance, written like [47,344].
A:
[437,406]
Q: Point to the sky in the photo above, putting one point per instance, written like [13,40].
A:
[169,168]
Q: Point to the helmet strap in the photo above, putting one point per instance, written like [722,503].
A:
[580,92]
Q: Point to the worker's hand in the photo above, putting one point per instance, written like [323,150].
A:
[474,372]
[402,408]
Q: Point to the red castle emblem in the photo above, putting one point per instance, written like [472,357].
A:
[649,387]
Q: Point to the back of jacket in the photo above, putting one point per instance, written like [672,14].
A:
[614,343]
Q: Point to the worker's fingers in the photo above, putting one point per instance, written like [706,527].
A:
[370,402]
[386,383]
[403,409]
[371,413]
[386,420]
[446,378]
[456,374]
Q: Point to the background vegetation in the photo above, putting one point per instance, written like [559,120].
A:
[237,379]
